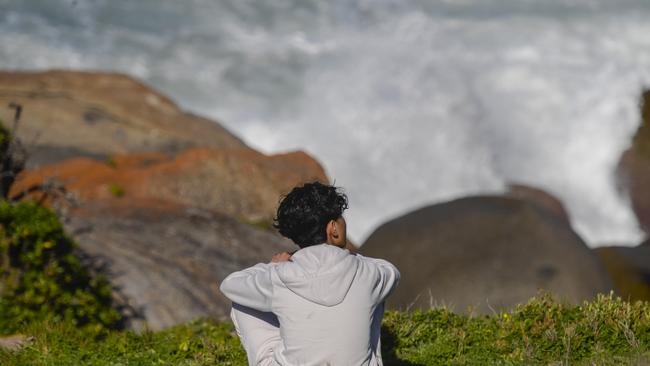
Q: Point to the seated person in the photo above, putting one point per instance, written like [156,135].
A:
[321,305]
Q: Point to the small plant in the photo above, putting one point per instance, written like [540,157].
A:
[116,190]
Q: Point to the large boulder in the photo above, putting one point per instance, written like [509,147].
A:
[629,268]
[634,168]
[167,260]
[68,114]
[242,183]
[488,253]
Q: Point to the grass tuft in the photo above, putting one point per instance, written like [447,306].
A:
[201,342]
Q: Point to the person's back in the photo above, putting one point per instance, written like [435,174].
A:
[328,301]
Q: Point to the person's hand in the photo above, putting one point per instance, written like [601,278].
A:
[281,257]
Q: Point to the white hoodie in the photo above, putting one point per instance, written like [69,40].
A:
[325,300]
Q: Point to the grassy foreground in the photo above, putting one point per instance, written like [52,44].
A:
[606,331]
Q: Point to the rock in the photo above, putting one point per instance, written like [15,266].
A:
[242,183]
[68,114]
[629,268]
[167,260]
[539,197]
[633,171]
[487,253]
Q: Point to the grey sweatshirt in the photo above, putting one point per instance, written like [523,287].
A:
[325,299]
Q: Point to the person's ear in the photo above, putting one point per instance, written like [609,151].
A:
[335,229]
[332,231]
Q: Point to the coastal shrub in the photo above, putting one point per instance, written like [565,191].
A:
[41,278]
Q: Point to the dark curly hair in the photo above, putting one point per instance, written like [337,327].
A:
[303,214]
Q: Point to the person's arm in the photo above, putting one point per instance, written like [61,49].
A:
[250,287]
[386,280]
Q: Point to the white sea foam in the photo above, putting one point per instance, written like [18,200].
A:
[405,103]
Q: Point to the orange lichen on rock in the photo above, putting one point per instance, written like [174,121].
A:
[242,183]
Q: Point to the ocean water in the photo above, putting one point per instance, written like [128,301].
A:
[406,103]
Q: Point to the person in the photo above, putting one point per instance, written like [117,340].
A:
[323,304]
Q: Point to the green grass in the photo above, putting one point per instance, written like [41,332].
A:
[606,331]
[198,343]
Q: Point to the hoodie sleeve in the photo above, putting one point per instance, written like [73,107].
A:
[386,279]
[250,287]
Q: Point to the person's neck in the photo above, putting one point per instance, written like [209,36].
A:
[338,245]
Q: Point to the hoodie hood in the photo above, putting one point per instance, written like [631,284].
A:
[321,273]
